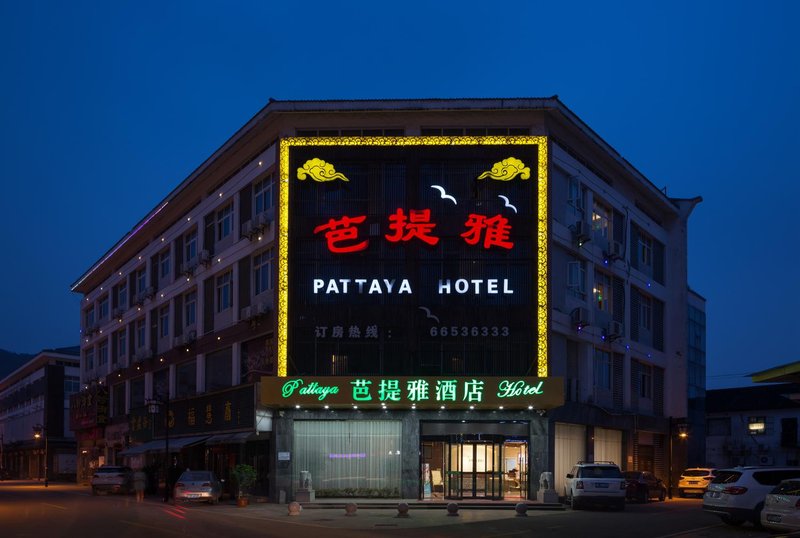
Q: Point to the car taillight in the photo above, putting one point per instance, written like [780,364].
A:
[206,485]
[734,490]
[579,484]
[180,485]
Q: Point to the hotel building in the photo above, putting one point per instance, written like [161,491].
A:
[399,298]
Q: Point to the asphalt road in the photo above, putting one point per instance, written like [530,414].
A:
[30,510]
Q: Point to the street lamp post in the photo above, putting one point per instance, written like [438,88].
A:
[38,432]
[154,406]
[682,434]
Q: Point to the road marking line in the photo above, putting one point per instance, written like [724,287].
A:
[690,531]
[55,506]
[160,530]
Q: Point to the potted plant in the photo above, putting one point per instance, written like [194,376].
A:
[245,476]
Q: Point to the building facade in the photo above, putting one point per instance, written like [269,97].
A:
[421,298]
[753,425]
[34,401]
[696,388]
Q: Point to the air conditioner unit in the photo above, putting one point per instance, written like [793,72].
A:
[614,330]
[264,219]
[261,309]
[248,230]
[579,317]
[188,267]
[143,354]
[205,257]
[615,250]
[765,460]
[582,231]
[247,312]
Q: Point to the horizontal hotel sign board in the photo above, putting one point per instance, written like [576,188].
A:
[482,393]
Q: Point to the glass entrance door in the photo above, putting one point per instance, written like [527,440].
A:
[474,470]
[515,469]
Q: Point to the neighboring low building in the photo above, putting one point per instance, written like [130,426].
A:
[34,398]
[753,425]
[696,376]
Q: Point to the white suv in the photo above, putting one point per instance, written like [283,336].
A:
[695,480]
[598,482]
[737,495]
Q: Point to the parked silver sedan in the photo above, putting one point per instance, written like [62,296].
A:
[197,486]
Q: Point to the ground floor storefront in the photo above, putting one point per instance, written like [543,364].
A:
[410,454]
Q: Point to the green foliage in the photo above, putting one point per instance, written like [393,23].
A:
[375,493]
[245,476]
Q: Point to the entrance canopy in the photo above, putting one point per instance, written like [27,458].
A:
[160,445]
[786,373]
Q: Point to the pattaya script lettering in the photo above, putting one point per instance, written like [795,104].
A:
[313,389]
[512,389]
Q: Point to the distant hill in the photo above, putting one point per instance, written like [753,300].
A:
[10,361]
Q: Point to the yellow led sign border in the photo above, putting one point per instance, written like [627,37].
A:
[541,240]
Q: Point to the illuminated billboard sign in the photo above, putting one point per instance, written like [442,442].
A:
[404,392]
[413,255]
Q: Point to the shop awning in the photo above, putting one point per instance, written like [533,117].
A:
[235,438]
[139,449]
[160,445]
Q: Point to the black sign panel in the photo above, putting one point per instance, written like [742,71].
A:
[415,260]
[228,410]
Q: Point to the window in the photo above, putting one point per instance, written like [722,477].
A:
[224,292]
[103,308]
[601,216]
[122,295]
[102,353]
[163,264]
[163,322]
[89,358]
[577,196]
[190,246]
[645,312]
[122,343]
[90,316]
[137,392]
[262,272]
[219,372]
[718,426]
[602,291]
[118,398]
[224,222]
[190,308]
[186,379]
[141,280]
[140,333]
[602,369]
[757,425]
[72,384]
[644,249]
[645,381]
[576,279]
[262,195]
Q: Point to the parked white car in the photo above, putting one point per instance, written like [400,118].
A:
[782,507]
[737,495]
[598,482]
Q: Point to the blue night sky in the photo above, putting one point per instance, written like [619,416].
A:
[105,107]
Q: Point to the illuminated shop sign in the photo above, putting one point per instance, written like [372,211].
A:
[404,392]
[423,255]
